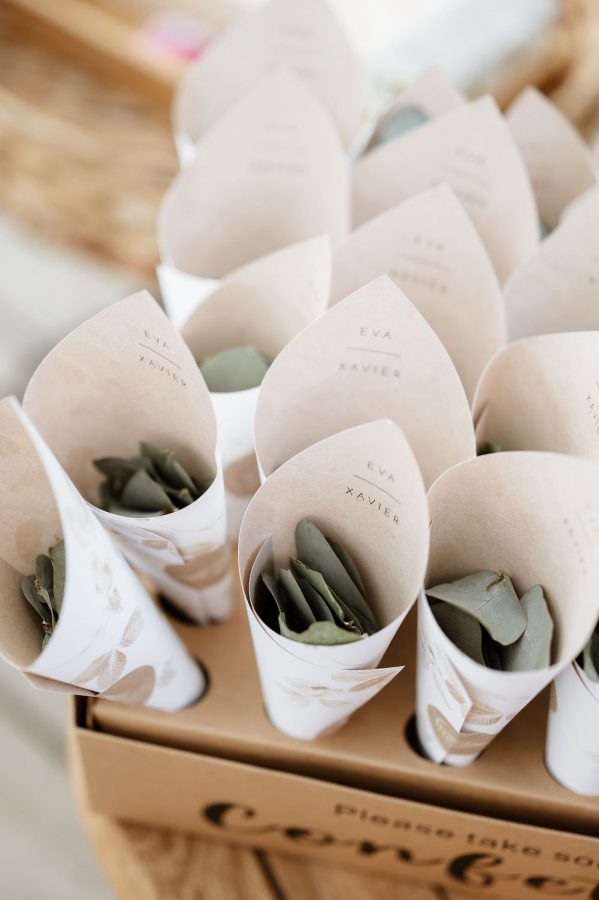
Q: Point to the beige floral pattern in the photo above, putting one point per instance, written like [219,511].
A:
[456,742]
[107,669]
[203,570]
[303,693]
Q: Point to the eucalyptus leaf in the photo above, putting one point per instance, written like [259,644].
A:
[318,605]
[297,607]
[490,597]
[342,613]
[236,369]
[141,492]
[590,657]
[350,566]
[324,633]
[316,552]
[273,589]
[532,650]
[116,469]
[31,595]
[489,447]
[462,629]
[57,556]
[169,467]
[491,652]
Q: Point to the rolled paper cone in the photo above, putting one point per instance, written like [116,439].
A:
[432,94]
[110,637]
[559,372]
[572,749]
[579,202]
[182,293]
[271,172]
[126,376]
[471,148]
[306,37]
[372,355]
[363,489]
[555,289]
[559,162]
[533,516]
[431,250]
[262,305]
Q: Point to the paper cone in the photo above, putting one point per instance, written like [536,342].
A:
[472,149]
[572,751]
[557,288]
[579,202]
[306,37]
[363,489]
[370,356]
[271,172]
[560,164]
[542,393]
[432,94]
[262,305]
[431,250]
[125,376]
[533,516]
[110,638]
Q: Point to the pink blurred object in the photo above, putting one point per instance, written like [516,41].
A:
[176,35]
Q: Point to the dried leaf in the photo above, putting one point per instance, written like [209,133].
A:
[314,550]
[490,597]
[236,369]
[58,559]
[462,629]
[169,467]
[532,650]
[342,613]
[142,493]
[31,595]
[297,609]
[324,633]
[321,611]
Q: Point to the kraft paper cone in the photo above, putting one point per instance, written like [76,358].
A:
[262,305]
[362,488]
[306,37]
[557,288]
[182,293]
[370,356]
[572,751]
[542,393]
[271,172]
[110,638]
[431,94]
[431,250]
[126,376]
[559,162]
[533,516]
[472,149]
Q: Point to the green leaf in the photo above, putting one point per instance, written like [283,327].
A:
[532,650]
[590,657]
[489,447]
[57,557]
[490,597]
[117,470]
[236,369]
[342,613]
[169,467]
[31,595]
[462,629]
[271,585]
[349,565]
[142,493]
[314,550]
[324,633]
[401,121]
[297,607]
[491,654]
[321,611]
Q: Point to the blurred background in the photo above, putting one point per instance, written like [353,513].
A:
[85,155]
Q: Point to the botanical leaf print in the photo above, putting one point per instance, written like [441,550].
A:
[94,668]
[204,570]
[113,669]
[133,628]
[135,688]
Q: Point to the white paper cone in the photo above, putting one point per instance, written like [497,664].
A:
[362,488]
[572,751]
[432,93]
[471,148]
[429,247]
[557,288]
[126,376]
[558,409]
[262,305]
[182,293]
[306,37]
[559,163]
[110,637]
[372,355]
[533,516]
[271,172]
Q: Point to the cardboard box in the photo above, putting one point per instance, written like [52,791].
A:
[360,797]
